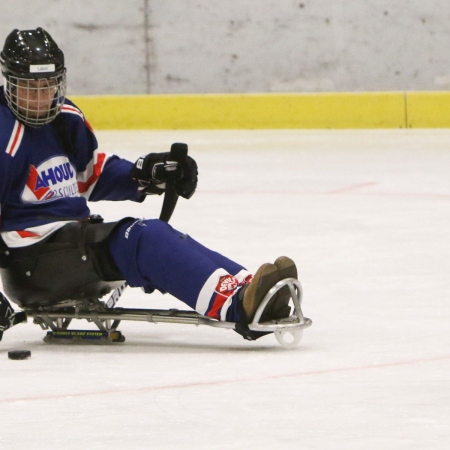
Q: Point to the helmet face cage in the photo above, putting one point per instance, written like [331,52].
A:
[35,102]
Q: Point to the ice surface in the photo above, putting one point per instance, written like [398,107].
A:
[366,216]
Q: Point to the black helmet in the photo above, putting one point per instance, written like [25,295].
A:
[31,54]
[27,56]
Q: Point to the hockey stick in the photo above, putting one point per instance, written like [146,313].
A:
[178,152]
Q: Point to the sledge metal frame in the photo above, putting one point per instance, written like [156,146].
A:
[107,317]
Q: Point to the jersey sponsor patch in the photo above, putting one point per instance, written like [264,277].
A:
[53,179]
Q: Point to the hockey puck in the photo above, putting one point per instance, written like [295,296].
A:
[19,354]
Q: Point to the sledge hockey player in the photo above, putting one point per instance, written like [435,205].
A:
[53,249]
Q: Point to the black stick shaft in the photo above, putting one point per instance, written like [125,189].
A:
[178,152]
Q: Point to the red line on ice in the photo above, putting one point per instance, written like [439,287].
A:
[351,188]
[226,381]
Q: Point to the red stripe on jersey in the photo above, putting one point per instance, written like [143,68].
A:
[15,138]
[83,186]
[72,109]
[25,234]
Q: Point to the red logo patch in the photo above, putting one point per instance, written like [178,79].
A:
[227,283]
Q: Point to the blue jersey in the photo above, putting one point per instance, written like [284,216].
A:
[41,185]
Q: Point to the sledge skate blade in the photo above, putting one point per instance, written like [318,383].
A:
[83,337]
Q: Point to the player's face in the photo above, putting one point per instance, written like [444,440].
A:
[35,97]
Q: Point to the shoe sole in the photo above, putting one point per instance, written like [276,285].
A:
[286,269]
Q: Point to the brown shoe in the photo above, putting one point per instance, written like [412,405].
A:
[265,277]
[278,308]
[286,267]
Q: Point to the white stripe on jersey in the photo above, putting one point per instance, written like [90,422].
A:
[15,139]
[32,235]
[72,110]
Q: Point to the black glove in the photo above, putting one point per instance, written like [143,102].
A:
[156,169]
[9,318]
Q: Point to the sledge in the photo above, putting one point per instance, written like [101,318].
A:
[56,317]
[106,316]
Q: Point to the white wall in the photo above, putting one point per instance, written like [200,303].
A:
[193,46]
